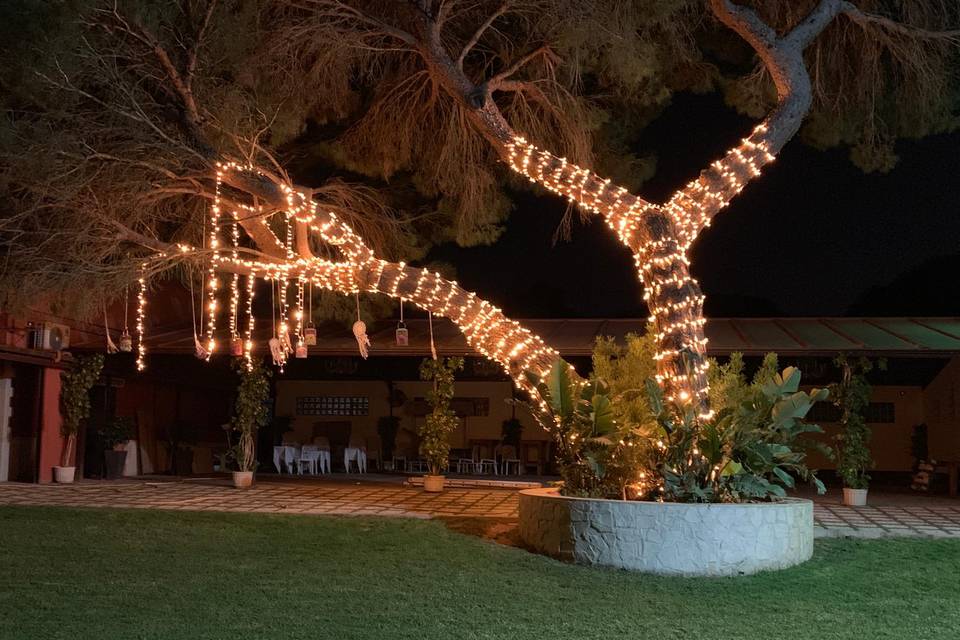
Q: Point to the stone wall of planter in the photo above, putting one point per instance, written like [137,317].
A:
[668,538]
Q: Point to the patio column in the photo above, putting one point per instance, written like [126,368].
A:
[51,442]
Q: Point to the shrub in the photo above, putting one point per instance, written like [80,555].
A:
[116,431]
[441,421]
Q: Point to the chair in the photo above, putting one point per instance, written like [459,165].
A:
[470,464]
[356,451]
[484,465]
[508,458]
[322,443]
[290,455]
[309,455]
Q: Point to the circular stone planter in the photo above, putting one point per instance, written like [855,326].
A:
[668,538]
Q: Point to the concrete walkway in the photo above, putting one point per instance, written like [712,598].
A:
[888,515]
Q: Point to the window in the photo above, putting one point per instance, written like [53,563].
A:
[333,406]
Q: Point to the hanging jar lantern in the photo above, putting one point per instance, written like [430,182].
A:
[236,346]
[126,342]
[310,335]
[403,336]
[301,351]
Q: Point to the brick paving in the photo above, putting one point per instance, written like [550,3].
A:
[887,516]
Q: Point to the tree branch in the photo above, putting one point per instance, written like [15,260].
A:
[495,82]
[475,38]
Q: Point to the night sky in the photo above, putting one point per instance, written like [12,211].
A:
[814,236]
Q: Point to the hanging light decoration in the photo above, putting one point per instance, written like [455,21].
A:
[403,336]
[126,342]
[310,332]
[142,319]
[248,343]
[212,281]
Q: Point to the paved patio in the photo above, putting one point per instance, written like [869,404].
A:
[893,514]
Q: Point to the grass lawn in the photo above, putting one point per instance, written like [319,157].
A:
[72,573]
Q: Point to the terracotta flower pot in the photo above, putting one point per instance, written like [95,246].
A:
[433,484]
[64,475]
[854,497]
[243,479]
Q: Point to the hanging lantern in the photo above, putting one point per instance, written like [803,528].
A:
[236,346]
[310,335]
[126,342]
[301,351]
[403,336]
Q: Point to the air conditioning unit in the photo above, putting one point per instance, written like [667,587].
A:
[51,337]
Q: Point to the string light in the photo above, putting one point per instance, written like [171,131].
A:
[142,319]
[659,237]
[248,343]
[212,279]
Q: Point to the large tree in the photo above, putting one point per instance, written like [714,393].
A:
[140,135]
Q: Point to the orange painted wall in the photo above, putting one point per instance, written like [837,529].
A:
[51,442]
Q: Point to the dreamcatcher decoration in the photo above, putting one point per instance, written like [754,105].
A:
[403,336]
[196,320]
[360,332]
[111,347]
[310,332]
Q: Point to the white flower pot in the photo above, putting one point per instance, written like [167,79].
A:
[433,484]
[854,497]
[243,479]
[64,475]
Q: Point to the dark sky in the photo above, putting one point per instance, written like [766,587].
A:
[813,236]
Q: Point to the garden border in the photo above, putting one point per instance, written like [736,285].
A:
[668,538]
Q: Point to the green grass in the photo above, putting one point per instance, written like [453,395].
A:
[78,573]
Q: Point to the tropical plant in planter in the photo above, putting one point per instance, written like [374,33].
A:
[250,414]
[441,421]
[617,437]
[852,396]
[75,408]
[113,435]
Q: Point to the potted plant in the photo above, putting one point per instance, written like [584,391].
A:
[250,414]
[74,409]
[852,396]
[114,435]
[441,421]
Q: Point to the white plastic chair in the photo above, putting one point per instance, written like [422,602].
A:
[508,458]
[290,455]
[322,443]
[485,464]
[309,455]
[356,451]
